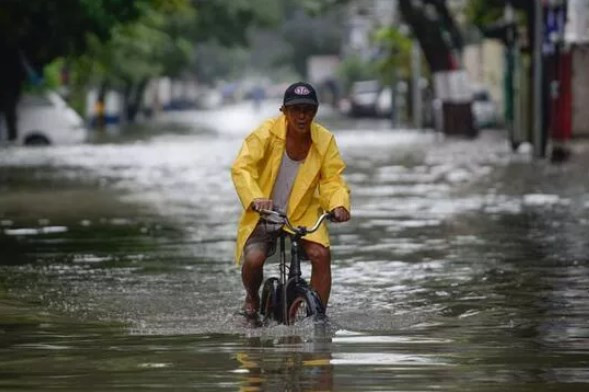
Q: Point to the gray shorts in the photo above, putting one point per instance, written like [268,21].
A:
[263,238]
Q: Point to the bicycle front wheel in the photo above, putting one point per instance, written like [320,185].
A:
[305,303]
[271,294]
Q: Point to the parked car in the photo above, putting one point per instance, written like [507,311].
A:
[44,119]
[364,97]
[484,109]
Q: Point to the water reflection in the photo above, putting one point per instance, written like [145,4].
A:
[286,364]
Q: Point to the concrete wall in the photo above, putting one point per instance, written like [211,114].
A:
[322,68]
[577,26]
[580,87]
[484,64]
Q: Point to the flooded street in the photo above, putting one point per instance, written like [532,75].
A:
[465,266]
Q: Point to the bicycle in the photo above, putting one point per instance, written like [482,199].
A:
[289,298]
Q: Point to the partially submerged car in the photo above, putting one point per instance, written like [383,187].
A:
[44,119]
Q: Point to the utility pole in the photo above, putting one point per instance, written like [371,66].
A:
[510,80]
[417,101]
[537,86]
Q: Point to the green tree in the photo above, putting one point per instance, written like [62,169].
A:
[482,13]
[153,45]
[354,68]
[227,21]
[35,32]
[104,42]
[168,40]
[398,48]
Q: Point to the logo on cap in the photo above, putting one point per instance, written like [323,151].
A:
[302,90]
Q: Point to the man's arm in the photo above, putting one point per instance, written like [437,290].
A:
[244,170]
[333,190]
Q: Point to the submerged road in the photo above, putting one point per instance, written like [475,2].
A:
[464,267]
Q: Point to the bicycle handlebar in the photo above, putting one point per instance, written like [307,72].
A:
[301,230]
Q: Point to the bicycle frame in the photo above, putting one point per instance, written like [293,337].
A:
[294,277]
[294,270]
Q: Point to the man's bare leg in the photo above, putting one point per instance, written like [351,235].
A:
[320,269]
[252,274]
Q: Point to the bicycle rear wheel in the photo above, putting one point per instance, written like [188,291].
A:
[305,303]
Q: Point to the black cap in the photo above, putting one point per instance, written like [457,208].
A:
[300,92]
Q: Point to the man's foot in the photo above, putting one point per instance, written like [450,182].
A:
[251,321]
[251,306]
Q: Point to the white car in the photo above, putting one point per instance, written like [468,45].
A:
[363,98]
[484,109]
[44,119]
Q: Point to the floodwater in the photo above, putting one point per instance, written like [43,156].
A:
[465,266]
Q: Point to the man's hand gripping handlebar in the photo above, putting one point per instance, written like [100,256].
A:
[301,230]
[338,214]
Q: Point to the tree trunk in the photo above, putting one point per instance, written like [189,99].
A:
[12,75]
[133,98]
[430,22]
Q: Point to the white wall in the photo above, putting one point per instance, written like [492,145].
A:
[580,87]
[577,26]
[484,64]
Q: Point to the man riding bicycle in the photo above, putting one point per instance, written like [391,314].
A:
[290,164]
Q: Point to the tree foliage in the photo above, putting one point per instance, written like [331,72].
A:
[227,21]
[123,43]
[354,68]
[43,30]
[35,32]
[398,48]
[152,45]
[119,42]
[482,13]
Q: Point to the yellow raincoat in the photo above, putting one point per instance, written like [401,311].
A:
[318,186]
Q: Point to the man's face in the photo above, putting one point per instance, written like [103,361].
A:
[300,116]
